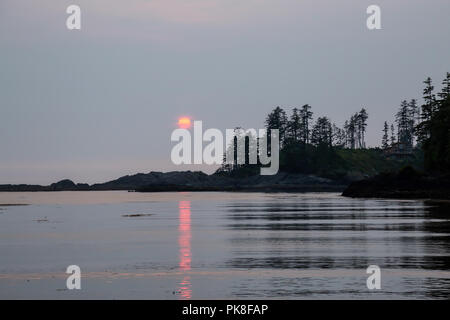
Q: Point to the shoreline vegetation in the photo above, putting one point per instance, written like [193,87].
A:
[431,127]
[413,160]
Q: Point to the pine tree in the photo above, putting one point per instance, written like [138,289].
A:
[362,117]
[385,139]
[277,119]
[294,126]
[322,132]
[393,140]
[352,132]
[405,125]
[445,93]
[306,116]
[429,96]
[423,128]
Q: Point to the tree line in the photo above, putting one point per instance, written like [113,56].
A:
[307,145]
[300,129]
[426,126]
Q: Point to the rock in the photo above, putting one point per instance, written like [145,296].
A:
[406,184]
[63,185]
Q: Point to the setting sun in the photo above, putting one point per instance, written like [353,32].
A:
[184,123]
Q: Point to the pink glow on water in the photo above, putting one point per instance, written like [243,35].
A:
[184,242]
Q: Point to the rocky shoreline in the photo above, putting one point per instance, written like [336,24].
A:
[406,184]
[194,181]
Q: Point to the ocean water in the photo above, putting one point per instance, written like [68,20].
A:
[213,245]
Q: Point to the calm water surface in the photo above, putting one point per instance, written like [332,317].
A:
[221,246]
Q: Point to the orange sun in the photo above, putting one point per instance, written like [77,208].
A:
[184,123]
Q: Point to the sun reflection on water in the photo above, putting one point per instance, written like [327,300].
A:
[184,242]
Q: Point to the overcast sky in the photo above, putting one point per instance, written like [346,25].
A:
[95,104]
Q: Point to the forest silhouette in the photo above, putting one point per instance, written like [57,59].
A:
[418,136]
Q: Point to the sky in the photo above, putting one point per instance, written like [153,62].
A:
[101,102]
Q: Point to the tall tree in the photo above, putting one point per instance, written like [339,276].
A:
[306,116]
[385,139]
[445,93]
[322,132]
[423,128]
[351,131]
[294,126]
[361,119]
[405,125]
[393,139]
[277,119]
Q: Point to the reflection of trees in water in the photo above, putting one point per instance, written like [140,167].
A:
[437,288]
[437,248]
[430,251]
[287,237]
[339,234]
